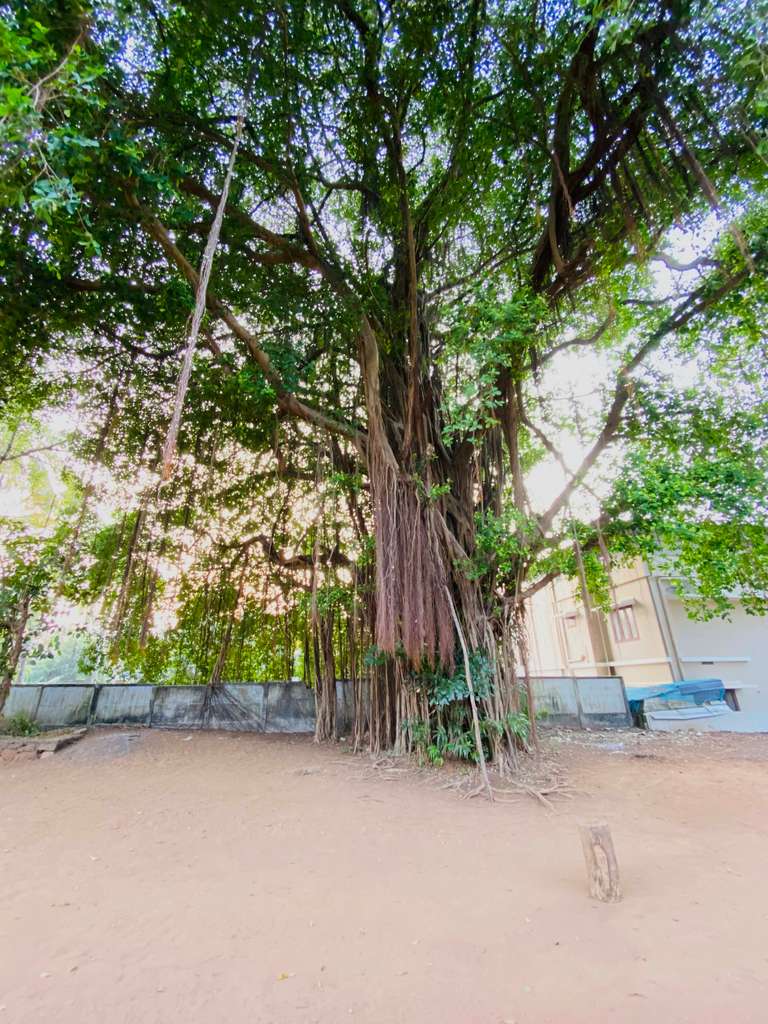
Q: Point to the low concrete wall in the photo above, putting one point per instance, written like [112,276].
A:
[123,705]
[247,707]
[581,702]
[279,707]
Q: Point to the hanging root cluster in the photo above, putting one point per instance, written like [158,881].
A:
[413,616]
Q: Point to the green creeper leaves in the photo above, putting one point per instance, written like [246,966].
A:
[42,78]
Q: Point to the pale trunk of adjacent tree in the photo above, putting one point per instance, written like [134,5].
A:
[17,631]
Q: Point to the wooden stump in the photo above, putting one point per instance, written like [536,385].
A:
[600,858]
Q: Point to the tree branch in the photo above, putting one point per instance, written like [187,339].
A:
[329,556]
[8,457]
[292,253]
[286,400]
[579,341]
[673,264]
[696,303]
[543,581]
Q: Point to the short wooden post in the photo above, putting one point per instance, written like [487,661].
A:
[600,858]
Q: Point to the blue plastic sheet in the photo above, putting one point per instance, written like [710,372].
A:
[692,691]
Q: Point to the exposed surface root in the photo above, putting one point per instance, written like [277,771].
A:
[538,777]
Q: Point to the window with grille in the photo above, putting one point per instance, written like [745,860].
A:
[624,623]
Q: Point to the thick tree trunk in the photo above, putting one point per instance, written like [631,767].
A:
[425,498]
[399,714]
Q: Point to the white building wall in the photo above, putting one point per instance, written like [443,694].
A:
[544,645]
[734,650]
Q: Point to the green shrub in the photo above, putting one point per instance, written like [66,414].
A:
[19,724]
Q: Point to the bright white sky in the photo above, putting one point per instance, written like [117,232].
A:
[579,373]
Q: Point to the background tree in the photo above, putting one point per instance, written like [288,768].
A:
[39,560]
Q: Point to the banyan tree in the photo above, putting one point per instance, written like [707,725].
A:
[412,210]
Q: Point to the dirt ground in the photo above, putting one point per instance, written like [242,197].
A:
[157,878]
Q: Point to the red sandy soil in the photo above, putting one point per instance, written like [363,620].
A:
[158,878]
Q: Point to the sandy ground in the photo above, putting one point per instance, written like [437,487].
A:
[162,877]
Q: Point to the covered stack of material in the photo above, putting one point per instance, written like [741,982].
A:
[678,705]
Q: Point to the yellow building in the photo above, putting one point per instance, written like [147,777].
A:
[648,638]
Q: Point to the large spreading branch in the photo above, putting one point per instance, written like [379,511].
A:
[696,303]
[327,556]
[287,402]
[616,132]
[280,249]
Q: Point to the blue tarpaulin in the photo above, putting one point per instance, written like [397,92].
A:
[692,691]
